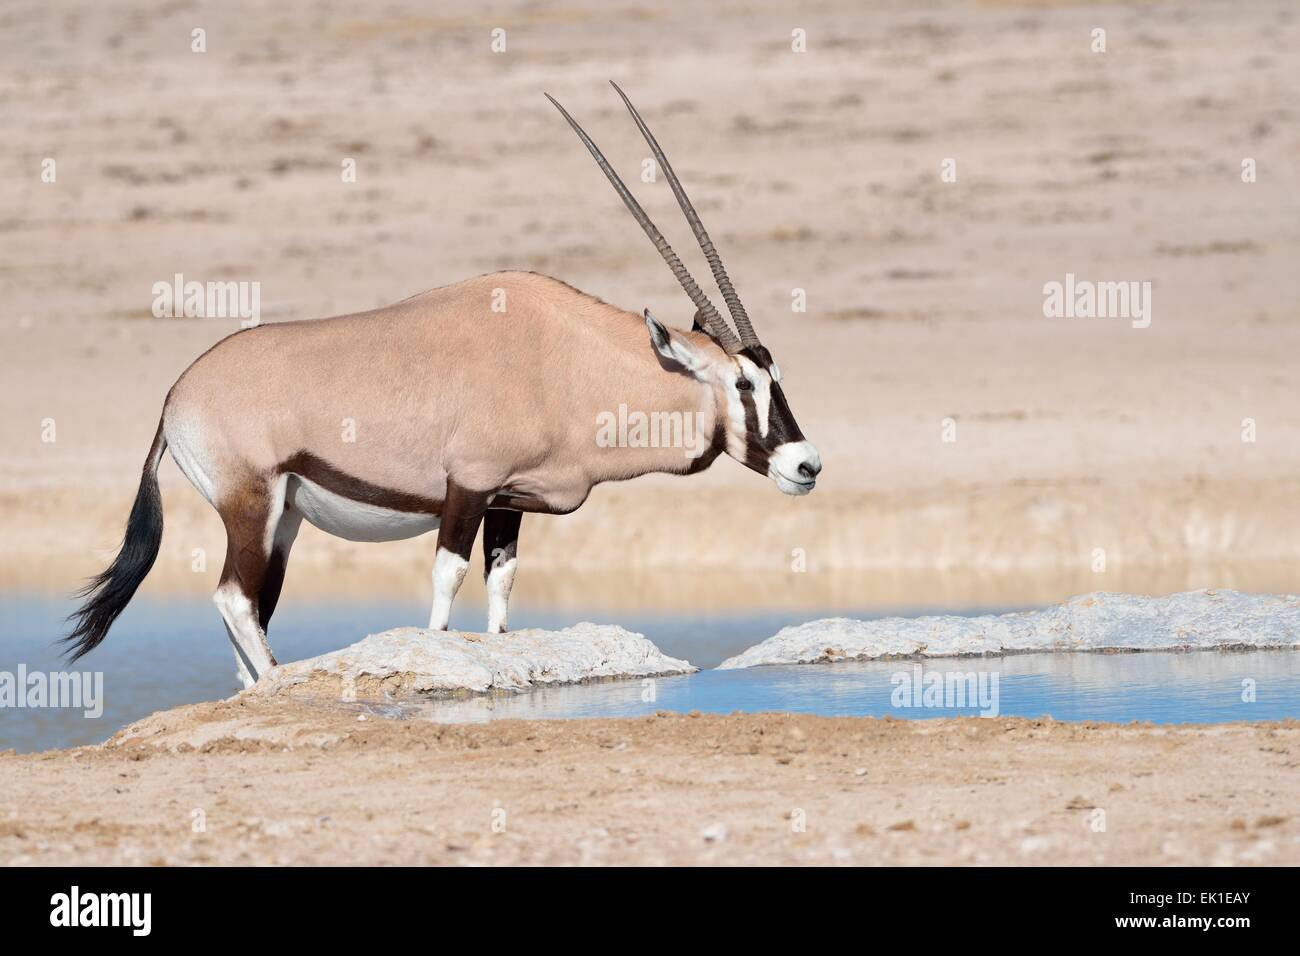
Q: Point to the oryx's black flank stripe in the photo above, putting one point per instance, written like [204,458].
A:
[510,502]
[319,471]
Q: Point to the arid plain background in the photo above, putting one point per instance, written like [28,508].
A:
[817,171]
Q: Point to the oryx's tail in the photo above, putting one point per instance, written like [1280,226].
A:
[107,594]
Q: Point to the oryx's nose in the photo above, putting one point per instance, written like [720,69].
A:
[811,468]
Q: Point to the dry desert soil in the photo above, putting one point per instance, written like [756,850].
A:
[263,782]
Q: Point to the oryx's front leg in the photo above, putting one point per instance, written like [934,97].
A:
[500,547]
[462,513]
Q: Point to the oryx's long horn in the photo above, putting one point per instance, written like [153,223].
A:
[713,322]
[738,313]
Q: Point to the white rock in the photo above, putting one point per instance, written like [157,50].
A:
[1100,621]
[412,661]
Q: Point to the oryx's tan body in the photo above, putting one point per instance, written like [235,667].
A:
[438,384]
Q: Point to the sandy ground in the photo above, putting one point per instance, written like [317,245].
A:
[816,171]
[265,783]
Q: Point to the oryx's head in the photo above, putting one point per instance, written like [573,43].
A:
[761,431]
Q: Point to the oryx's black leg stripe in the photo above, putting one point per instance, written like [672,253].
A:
[269,595]
[462,512]
[500,538]
[276,565]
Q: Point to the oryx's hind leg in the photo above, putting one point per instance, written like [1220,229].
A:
[500,558]
[252,518]
[286,531]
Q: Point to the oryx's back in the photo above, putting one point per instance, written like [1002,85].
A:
[493,371]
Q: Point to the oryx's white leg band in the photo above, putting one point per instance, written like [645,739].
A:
[252,653]
[246,679]
[448,572]
[500,580]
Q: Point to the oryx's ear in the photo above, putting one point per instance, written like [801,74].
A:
[673,348]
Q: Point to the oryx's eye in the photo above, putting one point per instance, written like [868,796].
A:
[743,385]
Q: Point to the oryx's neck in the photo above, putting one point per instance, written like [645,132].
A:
[656,421]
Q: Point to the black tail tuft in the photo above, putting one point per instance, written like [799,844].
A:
[108,593]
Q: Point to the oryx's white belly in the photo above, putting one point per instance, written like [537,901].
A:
[354,520]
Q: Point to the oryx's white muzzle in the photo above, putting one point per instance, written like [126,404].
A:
[794,467]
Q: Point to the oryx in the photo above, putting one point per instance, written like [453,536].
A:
[466,405]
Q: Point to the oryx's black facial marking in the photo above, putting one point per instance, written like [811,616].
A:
[781,426]
[755,454]
[764,434]
[759,355]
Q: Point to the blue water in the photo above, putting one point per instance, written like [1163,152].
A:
[1196,687]
[162,654]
